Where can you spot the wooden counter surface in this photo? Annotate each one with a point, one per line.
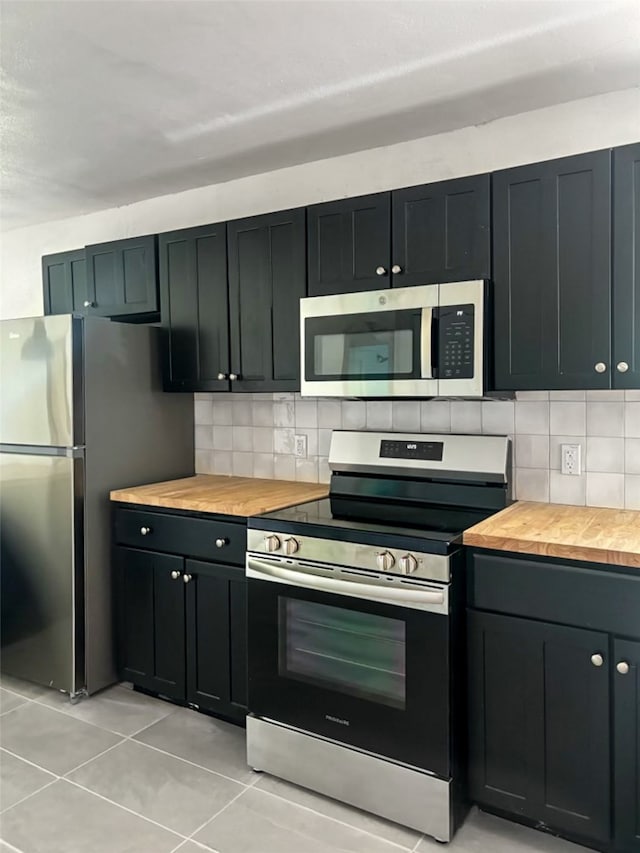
(215, 493)
(555, 530)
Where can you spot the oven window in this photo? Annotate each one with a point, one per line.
(346, 650)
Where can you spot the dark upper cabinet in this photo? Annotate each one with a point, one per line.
(626, 696)
(151, 612)
(122, 278)
(626, 266)
(539, 723)
(349, 244)
(195, 308)
(267, 278)
(552, 274)
(64, 282)
(441, 232)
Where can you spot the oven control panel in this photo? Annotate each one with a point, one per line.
(392, 449)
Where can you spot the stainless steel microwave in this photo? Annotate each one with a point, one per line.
(425, 341)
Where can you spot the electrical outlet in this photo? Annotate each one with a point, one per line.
(570, 459)
(301, 446)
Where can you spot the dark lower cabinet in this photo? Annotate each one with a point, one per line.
(539, 723)
(64, 282)
(626, 266)
(151, 629)
(626, 693)
(122, 279)
(348, 244)
(552, 274)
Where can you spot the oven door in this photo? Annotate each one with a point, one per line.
(372, 674)
(375, 344)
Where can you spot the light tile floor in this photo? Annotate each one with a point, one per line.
(124, 773)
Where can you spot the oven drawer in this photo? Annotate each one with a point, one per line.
(208, 539)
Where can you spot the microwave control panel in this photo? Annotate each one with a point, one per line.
(456, 328)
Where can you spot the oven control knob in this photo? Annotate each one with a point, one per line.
(408, 564)
(385, 561)
(290, 545)
(271, 542)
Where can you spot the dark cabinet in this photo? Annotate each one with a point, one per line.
(441, 232)
(151, 629)
(195, 308)
(626, 266)
(552, 274)
(626, 696)
(122, 279)
(181, 622)
(267, 279)
(64, 282)
(539, 723)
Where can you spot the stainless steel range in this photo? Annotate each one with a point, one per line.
(355, 615)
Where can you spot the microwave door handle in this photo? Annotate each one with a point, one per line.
(426, 331)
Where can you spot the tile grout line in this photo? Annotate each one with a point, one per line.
(32, 763)
(33, 793)
(214, 816)
(193, 763)
(89, 760)
(15, 708)
(417, 844)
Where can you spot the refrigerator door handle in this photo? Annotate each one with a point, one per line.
(19, 449)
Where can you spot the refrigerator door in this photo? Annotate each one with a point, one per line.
(40, 548)
(40, 375)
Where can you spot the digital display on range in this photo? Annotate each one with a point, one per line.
(431, 450)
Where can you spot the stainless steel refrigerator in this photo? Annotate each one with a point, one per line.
(82, 411)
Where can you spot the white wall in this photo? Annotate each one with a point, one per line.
(588, 124)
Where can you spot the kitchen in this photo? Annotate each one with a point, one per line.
(482, 500)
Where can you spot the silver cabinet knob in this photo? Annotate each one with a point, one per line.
(600, 367)
(622, 667)
(291, 545)
(381, 271)
(385, 561)
(186, 578)
(622, 367)
(222, 376)
(175, 575)
(408, 564)
(145, 531)
(220, 543)
(87, 304)
(271, 543)
(233, 376)
(396, 269)
(597, 659)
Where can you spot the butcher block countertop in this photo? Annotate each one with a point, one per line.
(555, 530)
(224, 495)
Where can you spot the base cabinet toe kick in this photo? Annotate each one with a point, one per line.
(397, 792)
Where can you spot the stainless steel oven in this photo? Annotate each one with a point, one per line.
(423, 341)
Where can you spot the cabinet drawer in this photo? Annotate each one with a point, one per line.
(571, 594)
(178, 534)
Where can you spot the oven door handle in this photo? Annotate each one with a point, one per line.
(411, 596)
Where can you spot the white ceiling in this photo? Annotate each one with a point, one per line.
(105, 103)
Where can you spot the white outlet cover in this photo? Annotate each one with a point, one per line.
(301, 446)
(571, 459)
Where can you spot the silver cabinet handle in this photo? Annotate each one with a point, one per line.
(222, 376)
(145, 531)
(597, 659)
(233, 376)
(622, 667)
(220, 543)
(381, 271)
(396, 269)
(175, 575)
(186, 578)
(87, 304)
(600, 367)
(622, 367)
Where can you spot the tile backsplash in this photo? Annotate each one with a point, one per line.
(254, 435)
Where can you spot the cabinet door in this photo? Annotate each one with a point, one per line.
(151, 621)
(552, 281)
(349, 243)
(210, 650)
(441, 232)
(626, 266)
(539, 723)
(267, 279)
(626, 701)
(195, 308)
(122, 277)
(64, 282)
